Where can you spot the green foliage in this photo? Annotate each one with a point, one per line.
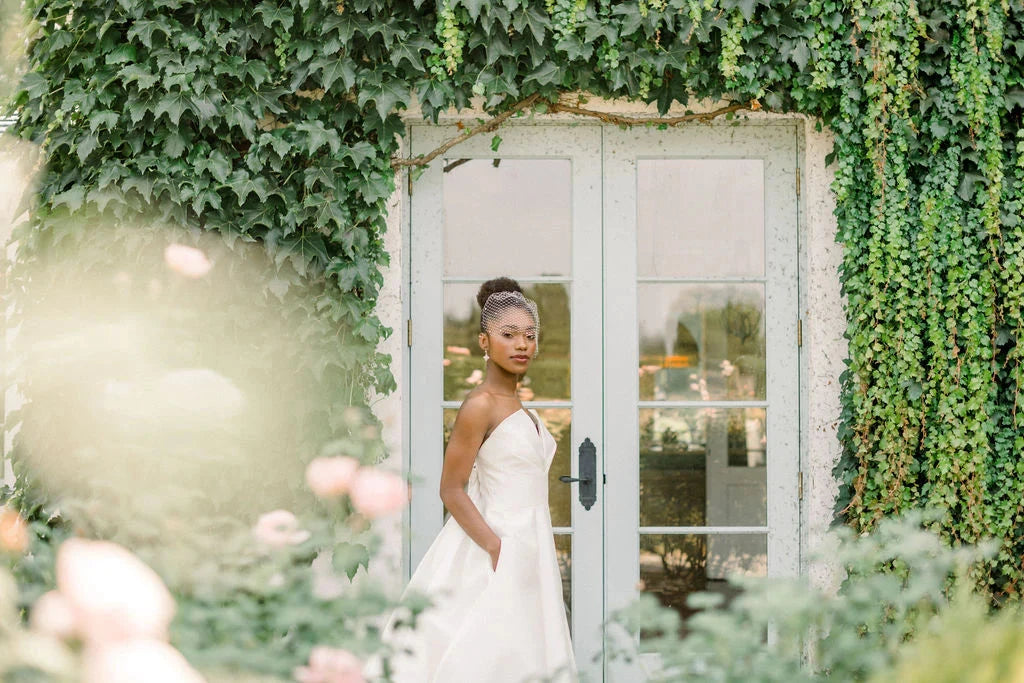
(276, 123)
(897, 589)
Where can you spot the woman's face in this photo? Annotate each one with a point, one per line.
(511, 340)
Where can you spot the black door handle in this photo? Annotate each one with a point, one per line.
(588, 474)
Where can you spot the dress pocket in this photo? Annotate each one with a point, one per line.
(501, 556)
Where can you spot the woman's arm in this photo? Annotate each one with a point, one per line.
(471, 425)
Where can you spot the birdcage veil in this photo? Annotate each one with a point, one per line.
(496, 315)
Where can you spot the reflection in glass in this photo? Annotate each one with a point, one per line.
(548, 376)
(559, 423)
(700, 218)
(701, 342)
(703, 467)
(673, 566)
(503, 215)
(563, 551)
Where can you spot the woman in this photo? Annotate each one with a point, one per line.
(491, 574)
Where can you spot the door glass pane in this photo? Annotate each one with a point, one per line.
(701, 341)
(507, 217)
(563, 551)
(673, 566)
(559, 423)
(703, 467)
(548, 377)
(700, 217)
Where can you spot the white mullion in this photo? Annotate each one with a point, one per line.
(703, 530)
(701, 404)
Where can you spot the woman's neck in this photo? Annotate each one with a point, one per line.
(500, 381)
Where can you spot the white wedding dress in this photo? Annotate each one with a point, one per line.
(503, 625)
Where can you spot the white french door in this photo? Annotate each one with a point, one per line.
(664, 265)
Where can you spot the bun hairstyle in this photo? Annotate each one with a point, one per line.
(498, 284)
(502, 284)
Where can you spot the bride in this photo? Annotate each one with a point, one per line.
(491, 574)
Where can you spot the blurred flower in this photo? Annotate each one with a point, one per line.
(525, 394)
(279, 528)
(137, 660)
(276, 580)
(13, 531)
(457, 350)
(446, 362)
(187, 261)
(475, 377)
(53, 615)
(727, 367)
(331, 477)
(330, 665)
(113, 594)
(378, 492)
(649, 369)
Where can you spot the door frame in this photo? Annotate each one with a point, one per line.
(408, 398)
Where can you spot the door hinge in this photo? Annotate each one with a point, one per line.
(408, 332)
(797, 181)
(408, 180)
(799, 332)
(800, 485)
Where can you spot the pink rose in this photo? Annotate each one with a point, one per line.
(113, 594)
(13, 531)
(137, 660)
(378, 492)
(187, 261)
(279, 528)
(53, 615)
(330, 665)
(331, 477)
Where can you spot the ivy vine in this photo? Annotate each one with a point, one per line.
(279, 123)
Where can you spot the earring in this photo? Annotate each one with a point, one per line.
(486, 357)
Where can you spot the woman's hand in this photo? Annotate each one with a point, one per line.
(494, 556)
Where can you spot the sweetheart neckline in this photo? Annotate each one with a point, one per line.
(505, 419)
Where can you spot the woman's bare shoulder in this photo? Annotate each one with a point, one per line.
(478, 407)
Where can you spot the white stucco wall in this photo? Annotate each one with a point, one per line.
(821, 308)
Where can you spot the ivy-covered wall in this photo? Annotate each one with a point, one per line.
(277, 121)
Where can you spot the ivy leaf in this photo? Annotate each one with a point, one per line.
(536, 21)
(495, 143)
(359, 152)
(273, 14)
(574, 48)
(410, 51)
(244, 184)
(544, 74)
(630, 11)
(72, 198)
(348, 557)
(174, 104)
(219, 165)
(968, 184)
(86, 146)
(106, 119)
(1014, 98)
(800, 54)
(133, 73)
(473, 7)
(318, 136)
(747, 8)
(385, 96)
(121, 54)
(174, 145)
(331, 70)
